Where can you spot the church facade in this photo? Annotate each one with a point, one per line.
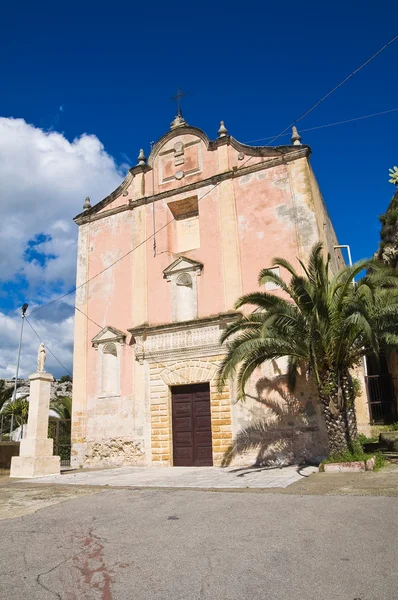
(148, 322)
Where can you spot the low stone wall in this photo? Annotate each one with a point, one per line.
(7, 451)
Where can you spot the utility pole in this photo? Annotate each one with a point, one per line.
(348, 251)
(24, 309)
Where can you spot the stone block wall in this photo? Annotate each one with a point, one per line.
(183, 372)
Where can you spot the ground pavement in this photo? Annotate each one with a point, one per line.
(185, 477)
(324, 537)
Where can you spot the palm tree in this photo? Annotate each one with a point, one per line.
(19, 409)
(62, 405)
(6, 392)
(324, 324)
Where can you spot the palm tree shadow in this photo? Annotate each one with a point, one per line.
(282, 435)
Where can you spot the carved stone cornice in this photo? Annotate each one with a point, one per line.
(182, 264)
(80, 218)
(282, 158)
(188, 339)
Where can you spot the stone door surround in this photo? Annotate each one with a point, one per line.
(165, 375)
(181, 354)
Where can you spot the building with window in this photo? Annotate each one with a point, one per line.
(150, 307)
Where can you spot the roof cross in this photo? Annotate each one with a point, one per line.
(180, 94)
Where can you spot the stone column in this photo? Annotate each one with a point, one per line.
(36, 450)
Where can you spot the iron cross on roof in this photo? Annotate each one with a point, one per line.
(178, 97)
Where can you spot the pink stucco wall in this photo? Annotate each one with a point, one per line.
(210, 295)
(263, 203)
(110, 294)
(260, 202)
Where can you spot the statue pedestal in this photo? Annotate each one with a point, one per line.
(36, 450)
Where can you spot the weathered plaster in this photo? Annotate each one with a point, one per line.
(250, 204)
(79, 401)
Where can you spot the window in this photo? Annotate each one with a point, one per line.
(110, 370)
(185, 235)
(270, 286)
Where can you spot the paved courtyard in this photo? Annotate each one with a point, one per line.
(122, 544)
(185, 477)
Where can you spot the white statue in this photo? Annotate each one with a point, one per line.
(41, 357)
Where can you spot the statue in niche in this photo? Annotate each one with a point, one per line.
(41, 358)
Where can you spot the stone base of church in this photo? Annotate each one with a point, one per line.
(34, 466)
(114, 452)
(110, 452)
(78, 452)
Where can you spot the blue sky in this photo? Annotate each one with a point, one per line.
(108, 70)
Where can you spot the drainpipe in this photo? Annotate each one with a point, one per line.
(348, 251)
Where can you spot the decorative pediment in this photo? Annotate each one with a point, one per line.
(182, 264)
(108, 334)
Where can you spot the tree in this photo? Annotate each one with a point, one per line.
(65, 378)
(324, 325)
(388, 247)
(6, 392)
(62, 405)
(19, 409)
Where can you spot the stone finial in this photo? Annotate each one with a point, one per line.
(296, 137)
(87, 203)
(222, 132)
(178, 121)
(141, 157)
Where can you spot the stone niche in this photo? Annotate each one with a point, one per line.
(182, 274)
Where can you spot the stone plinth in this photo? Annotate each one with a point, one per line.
(36, 450)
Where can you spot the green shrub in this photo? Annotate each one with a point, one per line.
(363, 439)
(380, 461)
(357, 456)
(357, 387)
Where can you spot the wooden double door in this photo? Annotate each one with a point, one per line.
(192, 445)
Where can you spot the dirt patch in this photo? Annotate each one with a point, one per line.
(18, 499)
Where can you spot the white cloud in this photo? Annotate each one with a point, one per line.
(58, 337)
(44, 179)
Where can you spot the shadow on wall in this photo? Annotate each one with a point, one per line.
(287, 432)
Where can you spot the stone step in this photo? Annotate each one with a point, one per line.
(390, 455)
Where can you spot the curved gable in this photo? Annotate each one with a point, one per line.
(165, 142)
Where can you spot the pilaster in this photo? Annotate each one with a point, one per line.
(230, 252)
(79, 402)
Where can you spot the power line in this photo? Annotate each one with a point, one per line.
(384, 112)
(152, 235)
(52, 353)
(101, 327)
(87, 317)
(214, 185)
(334, 89)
